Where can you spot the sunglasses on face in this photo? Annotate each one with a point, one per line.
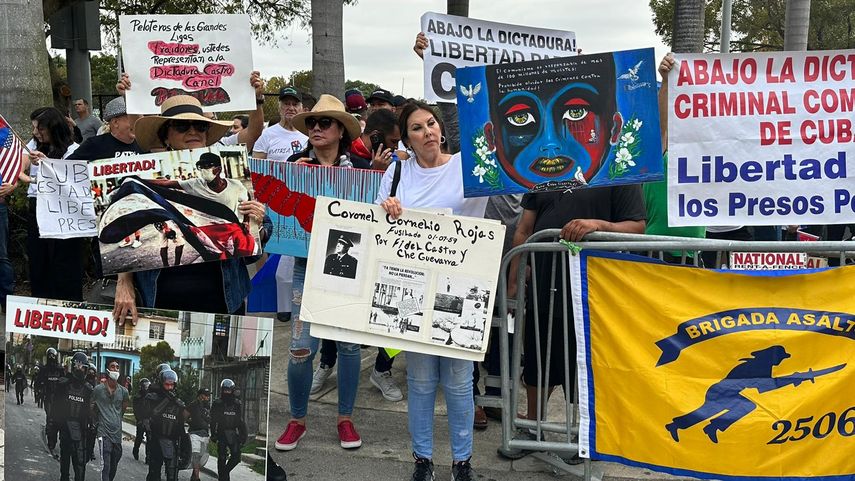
(182, 126)
(324, 122)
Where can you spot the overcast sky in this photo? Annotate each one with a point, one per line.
(379, 35)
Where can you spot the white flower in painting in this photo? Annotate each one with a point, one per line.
(627, 138)
(636, 124)
(479, 172)
(489, 160)
(624, 157)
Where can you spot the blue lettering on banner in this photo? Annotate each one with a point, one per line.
(700, 329)
(715, 169)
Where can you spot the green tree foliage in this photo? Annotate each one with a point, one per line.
(759, 26)
(188, 384)
(104, 76)
(151, 356)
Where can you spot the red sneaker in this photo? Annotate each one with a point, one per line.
(349, 437)
(292, 435)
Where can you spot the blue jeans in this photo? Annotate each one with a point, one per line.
(7, 275)
(302, 352)
(424, 373)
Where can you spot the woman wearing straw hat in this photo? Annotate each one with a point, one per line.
(330, 130)
(214, 287)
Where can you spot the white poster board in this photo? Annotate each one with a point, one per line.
(206, 56)
(456, 42)
(27, 315)
(424, 283)
(761, 139)
(66, 206)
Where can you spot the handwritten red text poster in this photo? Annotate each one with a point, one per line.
(206, 56)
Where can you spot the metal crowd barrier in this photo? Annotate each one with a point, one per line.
(555, 443)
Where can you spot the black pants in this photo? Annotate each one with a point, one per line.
(56, 265)
(158, 459)
(141, 435)
(19, 395)
(228, 455)
(72, 453)
(51, 428)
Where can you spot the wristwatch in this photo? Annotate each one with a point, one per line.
(259, 101)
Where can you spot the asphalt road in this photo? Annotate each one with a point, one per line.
(29, 459)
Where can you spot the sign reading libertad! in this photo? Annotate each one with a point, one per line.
(60, 319)
(762, 139)
(206, 56)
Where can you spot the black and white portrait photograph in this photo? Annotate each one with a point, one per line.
(396, 305)
(342, 256)
(460, 312)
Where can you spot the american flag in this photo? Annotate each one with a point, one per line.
(11, 152)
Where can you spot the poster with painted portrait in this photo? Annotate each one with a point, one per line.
(559, 124)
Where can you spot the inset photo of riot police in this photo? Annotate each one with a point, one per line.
(178, 396)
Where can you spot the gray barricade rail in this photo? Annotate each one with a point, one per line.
(555, 442)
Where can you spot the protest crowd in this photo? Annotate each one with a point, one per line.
(417, 147)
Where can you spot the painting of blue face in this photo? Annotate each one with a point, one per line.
(556, 129)
(559, 123)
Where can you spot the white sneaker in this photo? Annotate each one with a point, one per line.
(387, 385)
(319, 378)
(136, 243)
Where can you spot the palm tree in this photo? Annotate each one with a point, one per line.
(797, 21)
(688, 34)
(24, 75)
(458, 7)
(327, 48)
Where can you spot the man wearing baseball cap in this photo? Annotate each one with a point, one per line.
(282, 140)
(119, 139)
(380, 99)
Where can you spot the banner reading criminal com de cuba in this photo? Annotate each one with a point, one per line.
(762, 139)
(719, 375)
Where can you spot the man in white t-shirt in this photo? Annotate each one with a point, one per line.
(282, 140)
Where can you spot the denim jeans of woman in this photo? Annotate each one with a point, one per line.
(424, 374)
(302, 352)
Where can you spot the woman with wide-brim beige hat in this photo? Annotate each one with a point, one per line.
(331, 130)
(180, 125)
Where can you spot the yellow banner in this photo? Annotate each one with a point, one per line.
(716, 374)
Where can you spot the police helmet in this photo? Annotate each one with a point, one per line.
(145, 383)
(227, 386)
(168, 377)
(79, 364)
(52, 355)
(162, 367)
(18, 367)
(35, 369)
(204, 392)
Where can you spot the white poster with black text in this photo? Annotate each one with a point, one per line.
(425, 282)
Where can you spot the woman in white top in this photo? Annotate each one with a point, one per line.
(433, 179)
(56, 265)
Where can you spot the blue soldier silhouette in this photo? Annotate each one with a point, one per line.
(753, 372)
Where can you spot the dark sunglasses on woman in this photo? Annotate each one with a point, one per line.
(324, 122)
(182, 126)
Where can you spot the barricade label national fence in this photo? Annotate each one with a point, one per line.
(716, 374)
(762, 139)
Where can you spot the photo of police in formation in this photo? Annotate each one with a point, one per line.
(77, 413)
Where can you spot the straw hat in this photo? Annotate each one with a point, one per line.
(329, 106)
(179, 107)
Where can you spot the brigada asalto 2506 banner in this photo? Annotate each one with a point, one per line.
(719, 375)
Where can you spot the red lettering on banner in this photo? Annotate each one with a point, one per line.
(53, 321)
(712, 72)
(827, 131)
(829, 68)
(785, 74)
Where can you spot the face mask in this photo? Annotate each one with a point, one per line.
(207, 174)
(113, 375)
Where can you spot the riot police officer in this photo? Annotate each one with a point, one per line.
(36, 385)
(72, 400)
(92, 379)
(139, 415)
(228, 429)
(166, 413)
(49, 377)
(20, 384)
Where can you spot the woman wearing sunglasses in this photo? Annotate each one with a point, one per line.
(330, 130)
(213, 287)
